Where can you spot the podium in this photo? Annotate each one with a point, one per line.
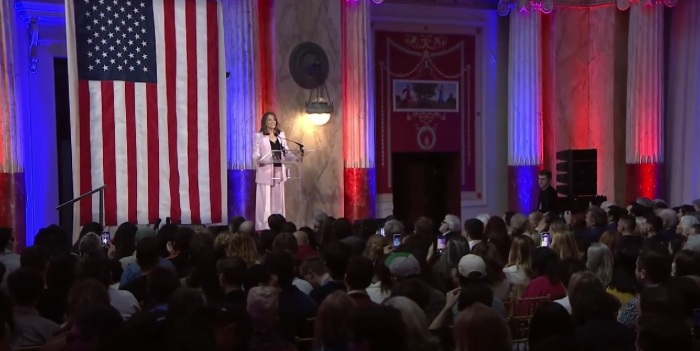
(291, 161)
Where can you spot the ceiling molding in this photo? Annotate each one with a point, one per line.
(46, 13)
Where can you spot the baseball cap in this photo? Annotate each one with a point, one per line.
(145, 232)
(402, 264)
(471, 266)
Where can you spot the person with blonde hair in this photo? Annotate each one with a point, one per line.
(418, 337)
(243, 246)
(222, 240)
(600, 261)
(519, 225)
(480, 328)
(564, 244)
(375, 247)
(517, 269)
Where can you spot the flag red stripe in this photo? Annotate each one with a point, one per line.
(192, 130)
(214, 116)
(171, 90)
(108, 152)
(153, 151)
(131, 170)
(84, 149)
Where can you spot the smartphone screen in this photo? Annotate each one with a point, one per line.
(441, 241)
(545, 240)
(397, 240)
(106, 240)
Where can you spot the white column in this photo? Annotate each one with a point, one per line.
(645, 83)
(358, 110)
(243, 95)
(358, 98)
(525, 89)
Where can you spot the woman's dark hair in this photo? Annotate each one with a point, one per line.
(263, 124)
(205, 276)
(494, 267)
(383, 274)
(656, 262)
(381, 327)
(496, 232)
(596, 304)
(545, 261)
(507, 216)
(550, 320)
(415, 290)
(165, 235)
(125, 239)
(102, 323)
(256, 275)
(676, 244)
(687, 262)
(235, 224)
(54, 238)
(676, 299)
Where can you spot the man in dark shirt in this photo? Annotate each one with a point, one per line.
(232, 272)
(336, 257)
(358, 278)
(548, 195)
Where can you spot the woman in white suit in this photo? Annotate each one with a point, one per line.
(269, 149)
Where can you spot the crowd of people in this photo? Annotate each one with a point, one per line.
(609, 278)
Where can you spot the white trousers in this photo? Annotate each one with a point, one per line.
(269, 199)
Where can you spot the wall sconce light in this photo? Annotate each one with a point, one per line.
(318, 108)
(308, 65)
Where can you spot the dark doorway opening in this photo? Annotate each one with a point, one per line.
(63, 143)
(425, 184)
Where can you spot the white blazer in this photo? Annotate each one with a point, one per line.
(262, 155)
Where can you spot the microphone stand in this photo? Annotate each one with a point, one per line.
(301, 146)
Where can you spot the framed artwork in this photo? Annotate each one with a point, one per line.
(425, 95)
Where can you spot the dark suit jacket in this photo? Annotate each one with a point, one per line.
(547, 200)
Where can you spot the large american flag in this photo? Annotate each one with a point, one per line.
(148, 109)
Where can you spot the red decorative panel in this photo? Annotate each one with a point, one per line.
(426, 100)
(359, 193)
(12, 205)
(645, 180)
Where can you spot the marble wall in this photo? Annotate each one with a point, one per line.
(583, 53)
(298, 21)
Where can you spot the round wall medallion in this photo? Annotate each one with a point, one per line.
(308, 65)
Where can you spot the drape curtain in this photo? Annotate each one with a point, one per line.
(10, 148)
(683, 104)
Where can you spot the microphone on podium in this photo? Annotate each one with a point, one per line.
(301, 146)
